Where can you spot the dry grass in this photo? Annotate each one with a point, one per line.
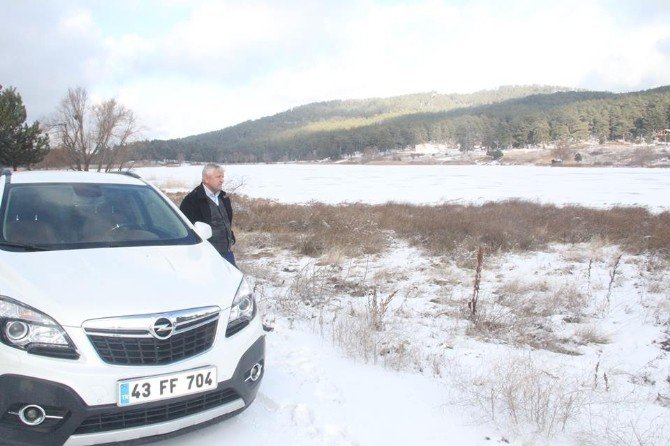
(356, 229)
(518, 287)
(517, 225)
(517, 394)
(590, 334)
(315, 229)
(522, 313)
(538, 299)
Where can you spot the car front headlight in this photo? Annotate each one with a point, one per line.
(27, 329)
(243, 309)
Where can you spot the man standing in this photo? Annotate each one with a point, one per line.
(209, 204)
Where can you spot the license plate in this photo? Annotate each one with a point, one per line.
(153, 388)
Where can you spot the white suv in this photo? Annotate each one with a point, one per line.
(118, 322)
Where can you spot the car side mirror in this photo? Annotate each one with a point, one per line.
(203, 230)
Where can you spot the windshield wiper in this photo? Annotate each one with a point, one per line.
(24, 246)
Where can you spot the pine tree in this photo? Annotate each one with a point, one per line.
(20, 144)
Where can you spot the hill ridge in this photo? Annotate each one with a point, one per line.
(509, 116)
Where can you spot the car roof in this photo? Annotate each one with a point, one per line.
(71, 176)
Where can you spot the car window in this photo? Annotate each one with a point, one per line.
(68, 216)
(158, 214)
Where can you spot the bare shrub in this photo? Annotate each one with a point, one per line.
(566, 300)
(562, 152)
(472, 304)
(519, 395)
(518, 287)
(494, 322)
(656, 286)
(624, 428)
(353, 334)
(308, 288)
(612, 274)
(539, 299)
(399, 354)
(333, 256)
(309, 285)
(590, 334)
(643, 156)
(377, 307)
(255, 245)
(523, 314)
(662, 314)
(389, 276)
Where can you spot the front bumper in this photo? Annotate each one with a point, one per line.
(76, 423)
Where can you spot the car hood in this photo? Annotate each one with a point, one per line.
(73, 286)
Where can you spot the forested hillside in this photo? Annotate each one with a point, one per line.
(493, 119)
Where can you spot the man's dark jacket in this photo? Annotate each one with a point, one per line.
(196, 207)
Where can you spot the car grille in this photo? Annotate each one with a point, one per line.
(148, 351)
(126, 418)
(134, 346)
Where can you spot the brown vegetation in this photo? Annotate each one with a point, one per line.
(316, 228)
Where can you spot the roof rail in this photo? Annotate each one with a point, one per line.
(7, 173)
(128, 173)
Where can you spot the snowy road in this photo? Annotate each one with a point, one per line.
(311, 395)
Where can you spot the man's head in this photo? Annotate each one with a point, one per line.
(212, 177)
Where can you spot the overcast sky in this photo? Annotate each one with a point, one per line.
(187, 67)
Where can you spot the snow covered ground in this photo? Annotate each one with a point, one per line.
(570, 346)
(312, 395)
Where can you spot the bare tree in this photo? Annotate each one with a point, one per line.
(93, 133)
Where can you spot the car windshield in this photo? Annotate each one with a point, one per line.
(78, 215)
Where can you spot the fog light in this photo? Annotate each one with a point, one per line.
(32, 415)
(255, 372)
(16, 330)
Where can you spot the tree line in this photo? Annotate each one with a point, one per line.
(80, 134)
(491, 120)
(83, 135)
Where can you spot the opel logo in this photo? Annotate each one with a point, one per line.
(162, 328)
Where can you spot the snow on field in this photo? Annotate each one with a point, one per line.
(570, 346)
(557, 356)
(300, 183)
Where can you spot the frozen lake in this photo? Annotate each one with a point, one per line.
(301, 183)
